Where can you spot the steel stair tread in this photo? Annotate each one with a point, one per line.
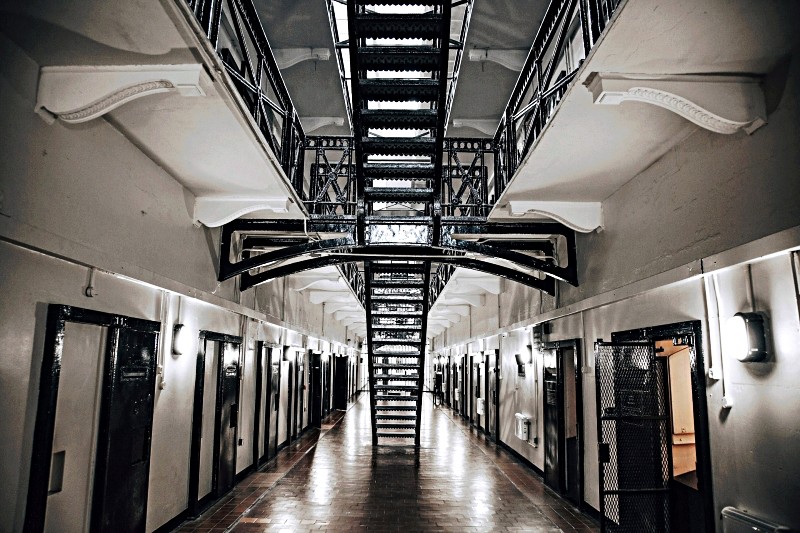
(389, 366)
(399, 119)
(397, 387)
(394, 398)
(386, 435)
(396, 377)
(411, 283)
(385, 425)
(394, 26)
(399, 58)
(398, 193)
(398, 170)
(397, 146)
(399, 90)
(401, 408)
(401, 2)
(395, 417)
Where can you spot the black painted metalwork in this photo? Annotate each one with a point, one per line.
(197, 505)
(634, 435)
(465, 184)
(332, 188)
(396, 195)
(236, 33)
(551, 66)
(122, 461)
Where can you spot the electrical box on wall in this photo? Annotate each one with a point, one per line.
(522, 427)
(479, 406)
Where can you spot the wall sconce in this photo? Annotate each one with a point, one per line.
(745, 338)
(178, 339)
(523, 360)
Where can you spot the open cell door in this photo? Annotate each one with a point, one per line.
(633, 430)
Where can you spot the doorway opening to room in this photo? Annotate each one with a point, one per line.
(265, 435)
(563, 419)
(91, 446)
(212, 460)
(655, 468)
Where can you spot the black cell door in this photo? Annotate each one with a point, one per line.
(340, 383)
(118, 500)
(553, 421)
(315, 395)
(273, 399)
(227, 416)
(633, 432)
(126, 422)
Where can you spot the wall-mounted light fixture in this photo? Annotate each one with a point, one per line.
(522, 360)
(178, 339)
(744, 337)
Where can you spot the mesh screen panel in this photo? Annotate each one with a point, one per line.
(634, 430)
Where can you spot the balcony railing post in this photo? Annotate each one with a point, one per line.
(584, 13)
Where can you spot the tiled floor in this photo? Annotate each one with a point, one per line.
(334, 480)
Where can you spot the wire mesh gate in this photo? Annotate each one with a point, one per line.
(634, 435)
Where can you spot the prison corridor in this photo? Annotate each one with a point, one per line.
(333, 479)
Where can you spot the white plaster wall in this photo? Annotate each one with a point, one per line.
(174, 404)
(517, 395)
(88, 185)
(86, 193)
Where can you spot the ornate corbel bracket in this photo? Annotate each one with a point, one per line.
(288, 57)
(510, 58)
(719, 103)
(81, 93)
(214, 211)
(583, 217)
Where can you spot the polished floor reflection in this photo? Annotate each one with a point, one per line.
(456, 481)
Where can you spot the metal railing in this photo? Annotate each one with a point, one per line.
(236, 33)
(568, 32)
(459, 50)
(438, 281)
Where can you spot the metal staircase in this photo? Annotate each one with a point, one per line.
(396, 196)
(398, 52)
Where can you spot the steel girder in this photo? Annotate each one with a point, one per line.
(414, 253)
(451, 250)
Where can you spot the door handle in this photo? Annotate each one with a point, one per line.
(604, 452)
(234, 415)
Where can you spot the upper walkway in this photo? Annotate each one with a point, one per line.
(335, 480)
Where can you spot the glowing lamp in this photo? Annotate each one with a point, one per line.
(744, 337)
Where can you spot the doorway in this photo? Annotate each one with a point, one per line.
(563, 419)
(212, 469)
(340, 383)
(656, 371)
(265, 405)
(91, 449)
(492, 406)
(315, 384)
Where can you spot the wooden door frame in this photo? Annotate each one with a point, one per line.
(693, 328)
(195, 506)
(44, 427)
